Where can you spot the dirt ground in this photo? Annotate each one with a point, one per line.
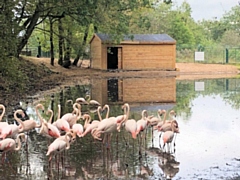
(184, 70)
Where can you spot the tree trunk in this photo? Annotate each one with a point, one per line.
(51, 41)
(67, 53)
(75, 62)
(29, 28)
(60, 42)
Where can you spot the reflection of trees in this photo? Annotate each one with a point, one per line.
(228, 89)
(185, 94)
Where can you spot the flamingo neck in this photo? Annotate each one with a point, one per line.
(106, 107)
(144, 115)
(87, 121)
(38, 114)
(50, 119)
(67, 141)
(19, 144)
(19, 120)
(98, 112)
(59, 111)
(78, 108)
(87, 97)
(164, 118)
(159, 114)
(3, 111)
(127, 112)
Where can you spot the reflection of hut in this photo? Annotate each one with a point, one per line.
(141, 52)
(135, 90)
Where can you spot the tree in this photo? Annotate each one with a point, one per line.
(230, 38)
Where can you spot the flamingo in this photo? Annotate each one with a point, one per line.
(47, 129)
(142, 123)
(172, 115)
(30, 124)
(78, 129)
(106, 126)
(61, 124)
(12, 130)
(120, 118)
(58, 145)
(9, 144)
(169, 135)
(87, 100)
(153, 121)
(2, 124)
(130, 124)
(72, 118)
(89, 127)
(166, 125)
(88, 119)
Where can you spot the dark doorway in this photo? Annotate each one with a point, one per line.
(112, 87)
(112, 58)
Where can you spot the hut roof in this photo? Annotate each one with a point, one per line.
(139, 39)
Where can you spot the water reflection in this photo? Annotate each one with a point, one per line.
(208, 116)
(134, 90)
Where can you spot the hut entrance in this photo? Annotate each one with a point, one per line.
(112, 89)
(112, 58)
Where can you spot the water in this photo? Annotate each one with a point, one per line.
(206, 148)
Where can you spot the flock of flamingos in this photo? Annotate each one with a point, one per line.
(64, 131)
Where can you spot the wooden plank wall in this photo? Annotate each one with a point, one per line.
(161, 90)
(148, 57)
(137, 90)
(96, 53)
(99, 90)
(104, 57)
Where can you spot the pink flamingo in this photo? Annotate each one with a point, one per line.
(119, 118)
(87, 100)
(12, 130)
(142, 123)
(61, 124)
(106, 126)
(2, 124)
(58, 145)
(89, 127)
(130, 124)
(9, 144)
(154, 121)
(47, 129)
(78, 129)
(166, 125)
(72, 118)
(169, 135)
(30, 124)
(164, 121)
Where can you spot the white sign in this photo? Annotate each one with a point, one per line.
(199, 56)
(199, 86)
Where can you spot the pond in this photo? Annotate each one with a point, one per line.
(207, 147)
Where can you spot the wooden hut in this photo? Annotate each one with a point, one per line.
(141, 52)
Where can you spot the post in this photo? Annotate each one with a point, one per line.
(226, 55)
(39, 48)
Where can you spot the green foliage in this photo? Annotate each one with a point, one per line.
(10, 74)
(230, 39)
(181, 32)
